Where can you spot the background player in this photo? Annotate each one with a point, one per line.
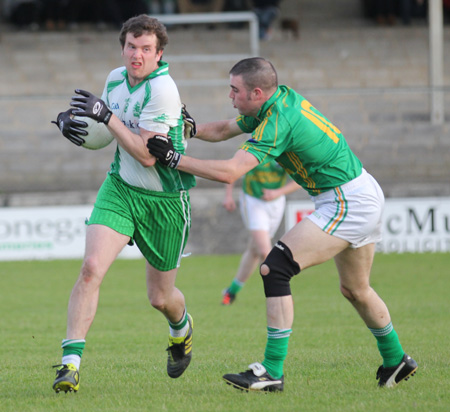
(345, 225)
(262, 202)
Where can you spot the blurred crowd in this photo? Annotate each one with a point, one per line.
(69, 14)
(103, 14)
(391, 12)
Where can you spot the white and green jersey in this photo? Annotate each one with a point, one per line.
(153, 105)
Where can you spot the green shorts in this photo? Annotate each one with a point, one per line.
(158, 222)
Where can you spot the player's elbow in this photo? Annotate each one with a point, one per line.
(148, 161)
(227, 180)
(229, 177)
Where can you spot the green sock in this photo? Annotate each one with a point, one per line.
(235, 287)
(181, 324)
(73, 347)
(389, 345)
(276, 351)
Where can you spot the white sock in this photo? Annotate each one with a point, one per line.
(73, 359)
(180, 333)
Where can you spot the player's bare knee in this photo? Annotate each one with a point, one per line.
(363, 295)
(160, 306)
(355, 295)
(277, 270)
(90, 270)
(347, 294)
(264, 270)
(157, 302)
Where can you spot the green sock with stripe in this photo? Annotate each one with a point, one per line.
(235, 287)
(276, 351)
(73, 347)
(389, 345)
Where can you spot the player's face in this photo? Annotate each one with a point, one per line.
(140, 56)
(243, 99)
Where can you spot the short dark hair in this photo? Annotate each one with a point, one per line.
(256, 72)
(144, 24)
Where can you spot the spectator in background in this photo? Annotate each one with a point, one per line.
(267, 12)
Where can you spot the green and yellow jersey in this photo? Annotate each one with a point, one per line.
(306, 144)
(269, 175)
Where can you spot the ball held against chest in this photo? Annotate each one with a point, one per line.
(98, 134)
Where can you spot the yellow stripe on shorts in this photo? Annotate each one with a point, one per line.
(341, 212)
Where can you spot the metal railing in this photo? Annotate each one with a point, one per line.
(214, 18)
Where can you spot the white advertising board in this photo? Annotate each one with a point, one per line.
(409, 224)
(47, 233)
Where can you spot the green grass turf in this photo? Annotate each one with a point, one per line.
(332, 357)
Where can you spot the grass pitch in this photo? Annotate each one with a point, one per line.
(332, 357)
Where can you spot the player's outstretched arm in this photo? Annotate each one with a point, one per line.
(225, 171)
(211, 132)
(218, 131)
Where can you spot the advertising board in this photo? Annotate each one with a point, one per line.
(46, 233)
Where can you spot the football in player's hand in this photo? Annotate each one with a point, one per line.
(98, 134)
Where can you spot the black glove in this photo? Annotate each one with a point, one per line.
(71, 128)
(87, 105)
(162, 148)
(190, 128)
